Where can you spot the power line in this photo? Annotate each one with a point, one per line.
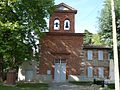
(91, 12)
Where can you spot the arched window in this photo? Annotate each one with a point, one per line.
(66, 25)
(56, 24)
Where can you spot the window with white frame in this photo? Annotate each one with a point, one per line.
(100, 55)
(89, 55)
(67, 25)
(56, 24)
(101, 72)
(90, 71)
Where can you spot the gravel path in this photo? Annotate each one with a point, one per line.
(69, 86)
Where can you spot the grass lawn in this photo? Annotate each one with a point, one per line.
(84, 83)
(110, 87)
(89, 83)
(105, 89)
(26, 86)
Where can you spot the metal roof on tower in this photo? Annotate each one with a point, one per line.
(62, 7)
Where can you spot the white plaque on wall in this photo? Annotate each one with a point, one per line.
(48, 72)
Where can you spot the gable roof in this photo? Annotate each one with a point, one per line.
(62, 7)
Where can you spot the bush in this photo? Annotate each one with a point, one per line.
(99, 82)
(111, 86)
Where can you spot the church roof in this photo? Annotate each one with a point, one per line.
(62, 7)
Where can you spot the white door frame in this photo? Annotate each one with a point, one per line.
(60, 71)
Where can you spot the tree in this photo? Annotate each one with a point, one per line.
(1, 70)
(88, 37)
(21, 22)
(91, 38)
(96, 39)
(105, 24)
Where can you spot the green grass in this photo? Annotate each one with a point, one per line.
(110, 87)
(26, 86)
(84, 83)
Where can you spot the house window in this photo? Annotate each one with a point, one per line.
(56, 24)
(100, 55)
(90, 71)
(89, 54)
(110, 55)
(66, 25)
(101, 72)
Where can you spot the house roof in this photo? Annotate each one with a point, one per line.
(96, 47)
(62, 7)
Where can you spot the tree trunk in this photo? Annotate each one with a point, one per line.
(1, 68)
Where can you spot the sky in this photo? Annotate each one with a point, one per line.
(87, 15)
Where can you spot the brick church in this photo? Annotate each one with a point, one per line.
(64, 57)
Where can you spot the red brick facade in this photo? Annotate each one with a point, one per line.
(67, 46)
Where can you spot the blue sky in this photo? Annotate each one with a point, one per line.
(87, 13)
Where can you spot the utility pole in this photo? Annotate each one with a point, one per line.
(115, 50)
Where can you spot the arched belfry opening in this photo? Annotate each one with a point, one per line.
(67, 24)
(56, 24)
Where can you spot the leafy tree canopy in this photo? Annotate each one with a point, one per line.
(96, 40)
(21, 22)
(105, 22)
(87, 37)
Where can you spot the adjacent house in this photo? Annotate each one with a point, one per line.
(96, 61)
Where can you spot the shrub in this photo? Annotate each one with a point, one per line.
(111, 86)
(99, 82)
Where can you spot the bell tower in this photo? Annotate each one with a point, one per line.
(63, 19)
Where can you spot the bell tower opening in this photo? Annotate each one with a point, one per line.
(66, 25)
(56, 24)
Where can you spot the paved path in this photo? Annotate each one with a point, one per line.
(68, 86)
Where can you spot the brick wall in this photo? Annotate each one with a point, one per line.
(66, 46)
(62, 17)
